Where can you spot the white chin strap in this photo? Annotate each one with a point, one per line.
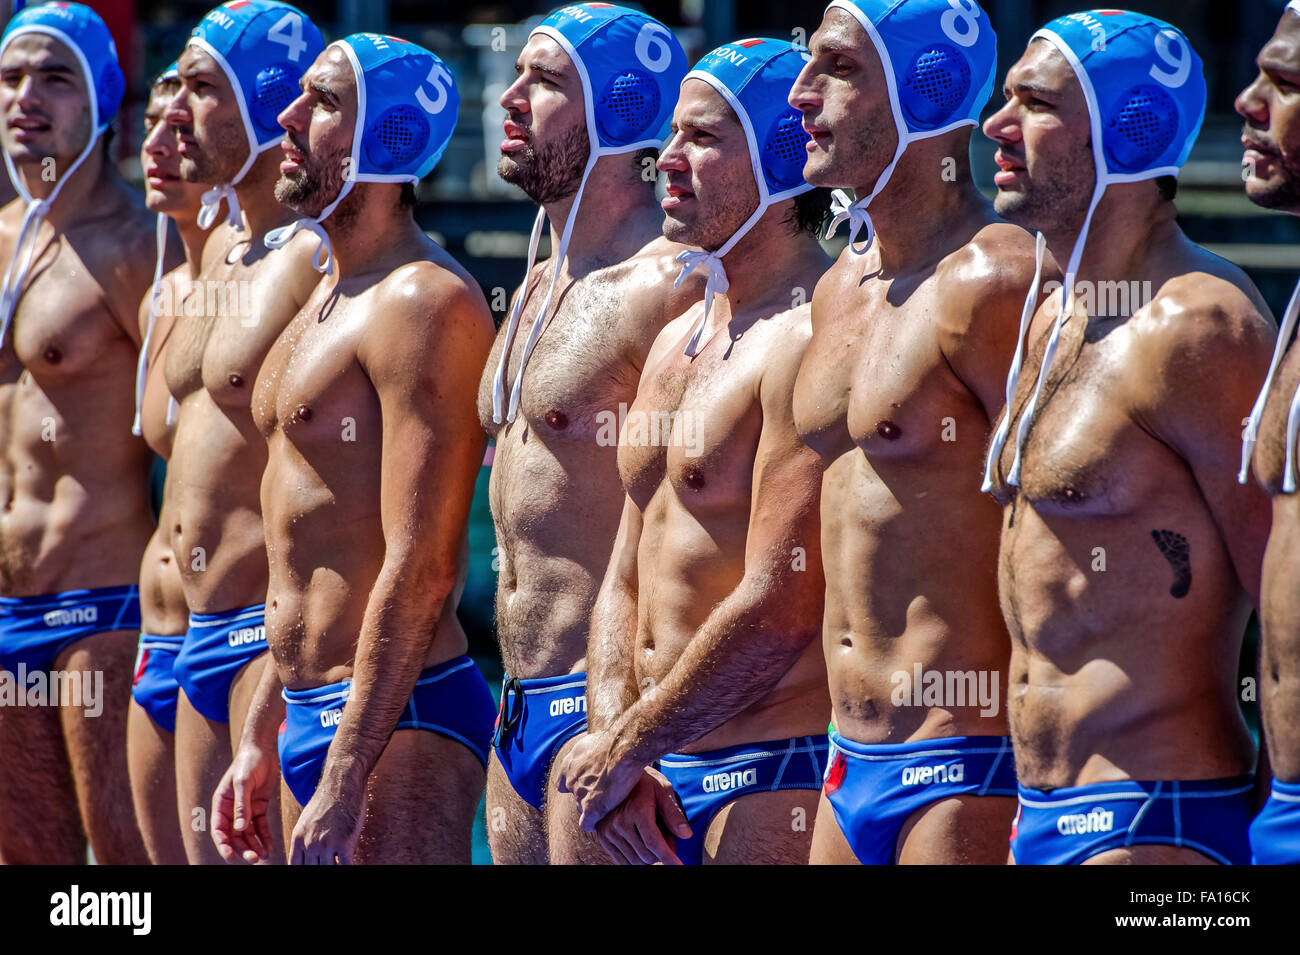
(1013, 377)
(210, 201)
(142, 363)
(323, 259)
(498, 387)
(1293, 415)
(717, 281)
(20, 262)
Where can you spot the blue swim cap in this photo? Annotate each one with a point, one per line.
(755, 78)
(407, 106)
(631, 66)
(263, 47)
(1144, 85)
(1145, 91)
(940, 61)
(81, 30)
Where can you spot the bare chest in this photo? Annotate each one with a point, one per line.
(226, 322)
(874, 378)
(1085, 453)
(696, 426)
(311, 386)
(582, 368)
(62, 326)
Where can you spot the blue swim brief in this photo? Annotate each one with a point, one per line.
(35, 630)
(874, 788)
(1071, 825)
(537, 717)
(1275, 833)
(155, 686)
(706, 782)
(216, 648)
(451, 699)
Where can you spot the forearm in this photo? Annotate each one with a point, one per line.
(396, 633)
(736, 658)
(611, 682)
(265, 711)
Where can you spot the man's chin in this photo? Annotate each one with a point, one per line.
(1013, 206)
(1278, 195)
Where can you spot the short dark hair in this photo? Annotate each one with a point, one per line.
(810, 212)
(407, 199)
(1168, 186)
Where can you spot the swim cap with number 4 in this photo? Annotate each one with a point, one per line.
(1144, 86)
(264, 47)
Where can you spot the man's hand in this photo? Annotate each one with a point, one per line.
(631, 833)
(596, 777)
(239, 826)
(329, 826)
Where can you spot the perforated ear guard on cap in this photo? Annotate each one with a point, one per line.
(630, 65)
(939, 59)
(82, 31)
(407, 107)
(1145, 91)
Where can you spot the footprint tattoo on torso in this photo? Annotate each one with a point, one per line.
(1174, 547)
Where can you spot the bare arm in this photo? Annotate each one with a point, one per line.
(978, 335)
(611, 684)
(1229, 345)
(423, 359)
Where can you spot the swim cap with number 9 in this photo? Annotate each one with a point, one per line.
(1144, 85)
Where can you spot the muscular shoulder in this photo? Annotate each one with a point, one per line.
(648, 279)
(985, 281)
(290, 269)
(426, 307)
(1203, 322)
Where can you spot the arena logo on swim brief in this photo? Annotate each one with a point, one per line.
(331, 717)
(246, 635)
(76, 908)
(1082, 823)
(947, 688)
(70, 616)
(724, 782)
(81, 688)
(568, 704)
(929, 775)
